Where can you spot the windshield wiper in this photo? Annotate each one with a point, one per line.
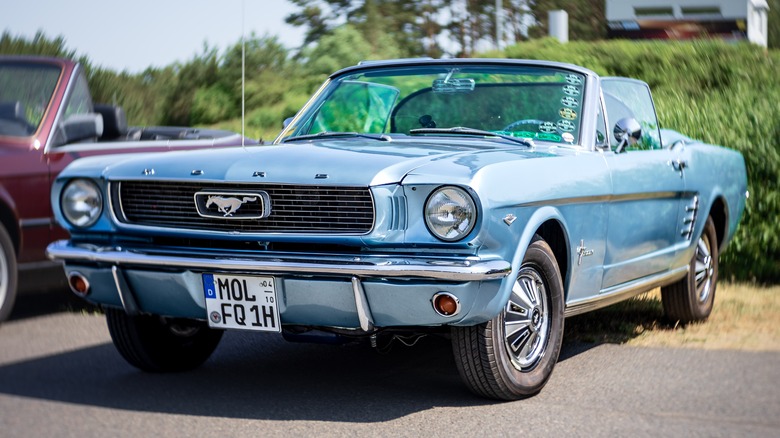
(462, 130)
(329, 134)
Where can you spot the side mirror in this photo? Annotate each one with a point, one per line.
(627, 132)
(79, 127)
(286, 122)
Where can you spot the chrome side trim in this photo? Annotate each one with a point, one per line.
(361, 302)
(36, 222)
(603, 199)
(376, 266)
(123, 290)
(622, 292)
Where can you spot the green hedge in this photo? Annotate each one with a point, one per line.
(718, 92)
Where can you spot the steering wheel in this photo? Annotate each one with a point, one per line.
(511, 126)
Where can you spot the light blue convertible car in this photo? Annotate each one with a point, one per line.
(483, 200)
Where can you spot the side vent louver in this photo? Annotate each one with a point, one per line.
(691, 210)
(398, 214)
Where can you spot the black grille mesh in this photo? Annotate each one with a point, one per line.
(294, 208)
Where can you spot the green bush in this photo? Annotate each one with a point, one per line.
(722, 93)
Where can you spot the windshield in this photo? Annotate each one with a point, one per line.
(25, 92)
(531, 102)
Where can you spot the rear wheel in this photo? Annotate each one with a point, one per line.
(691, 298)
(512, 356)
(8, 274)
(157, 344)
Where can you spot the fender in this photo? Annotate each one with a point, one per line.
(495, 303)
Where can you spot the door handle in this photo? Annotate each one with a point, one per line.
(679, 164)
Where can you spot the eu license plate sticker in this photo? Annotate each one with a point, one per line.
(241, 302)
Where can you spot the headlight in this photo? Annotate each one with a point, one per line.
(450, 213)
(81, 203)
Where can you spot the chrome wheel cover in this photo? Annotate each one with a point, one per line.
(703, 269)
(527, 320)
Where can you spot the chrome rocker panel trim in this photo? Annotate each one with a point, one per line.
(616, 294)
(465, 269)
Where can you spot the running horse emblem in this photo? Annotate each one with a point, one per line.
(228, 206)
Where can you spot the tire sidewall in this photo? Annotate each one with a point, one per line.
(148, 343)
(8, 269)
(540, 257)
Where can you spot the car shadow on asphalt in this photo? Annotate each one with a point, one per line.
(254, 376)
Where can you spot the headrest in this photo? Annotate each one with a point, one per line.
(114, 120)
(12, 111)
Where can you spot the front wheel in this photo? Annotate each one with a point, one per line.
(157, 344)
(692, 297)
(8, 274)
(512, 356)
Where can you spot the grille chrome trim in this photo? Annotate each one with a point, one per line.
(295, 209)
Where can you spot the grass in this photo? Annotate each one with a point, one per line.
(745, 317)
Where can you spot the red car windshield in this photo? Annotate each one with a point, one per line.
(25, 93)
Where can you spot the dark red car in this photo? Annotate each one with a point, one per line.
(47, 120)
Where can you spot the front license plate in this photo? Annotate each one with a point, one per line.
(241, 302)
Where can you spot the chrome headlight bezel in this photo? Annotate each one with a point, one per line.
(81, 203)
(450, 213)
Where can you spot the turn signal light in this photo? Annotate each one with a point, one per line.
(78, 284)
(446, 304)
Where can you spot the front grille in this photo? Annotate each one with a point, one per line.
(294, 208)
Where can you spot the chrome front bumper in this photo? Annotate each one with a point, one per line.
(373, 266)
(364, 287)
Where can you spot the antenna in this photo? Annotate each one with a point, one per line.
(243, 70)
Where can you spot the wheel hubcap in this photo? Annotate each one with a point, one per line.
(704, 269)
(526, 320)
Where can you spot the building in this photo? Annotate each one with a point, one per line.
(686, 19)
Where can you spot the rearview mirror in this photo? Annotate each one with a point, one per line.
(453, 85)
(627, 132)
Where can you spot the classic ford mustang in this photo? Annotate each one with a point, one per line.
(484, 200)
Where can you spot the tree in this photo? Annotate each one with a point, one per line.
(200, 72)
(773, 24)
(39, 45)
(417, 27)
(379, 21)
(343, 47)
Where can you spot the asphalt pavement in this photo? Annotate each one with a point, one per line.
(61, 376)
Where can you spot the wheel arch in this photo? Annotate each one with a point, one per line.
(9, 221)
(549, 224)
(720, 216)
(552, 231)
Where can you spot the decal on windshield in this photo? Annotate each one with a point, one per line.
(524, 134)
(549, 137)
(570, 102)
(547, 127)
(571, 90)
(573, 79)
(565, 125)
(567, 137)
(568, 113)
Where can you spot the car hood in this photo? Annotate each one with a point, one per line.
(343, 162)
